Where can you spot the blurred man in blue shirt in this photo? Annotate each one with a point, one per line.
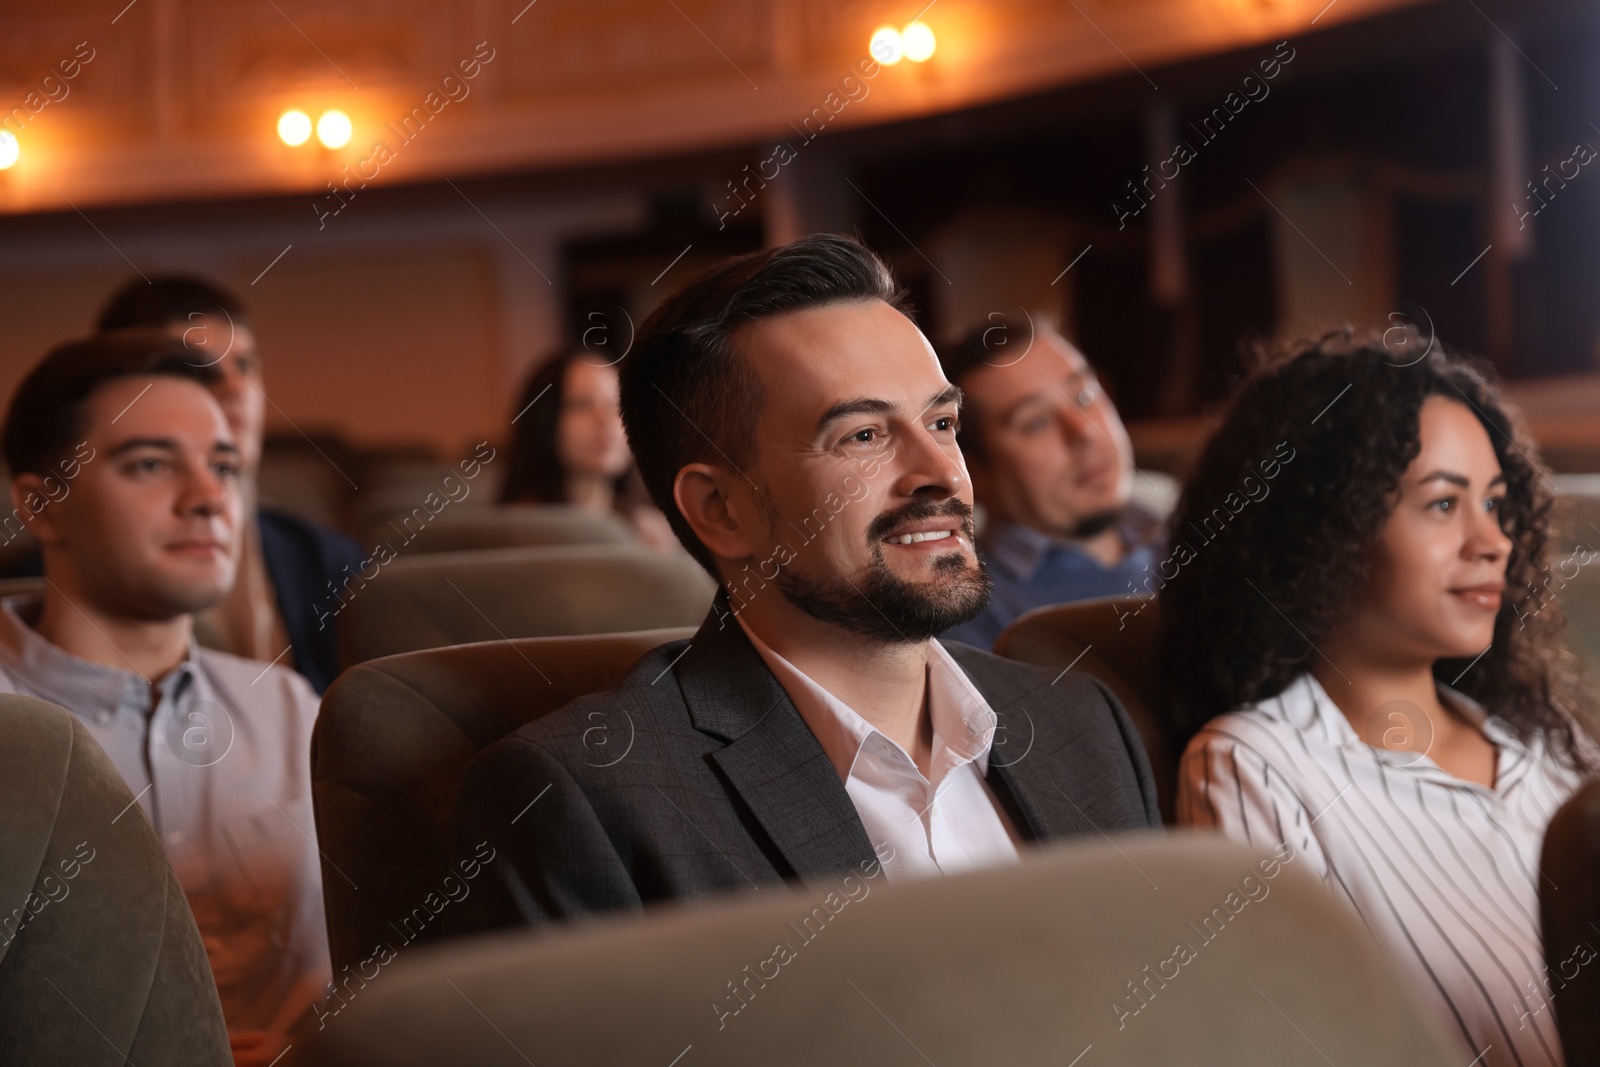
(1052, 466)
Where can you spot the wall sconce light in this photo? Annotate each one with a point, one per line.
(10, 151)
(294, 128)
(918, 41)
(889, 45)
(334, 129)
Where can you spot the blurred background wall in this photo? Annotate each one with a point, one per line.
(1361, 161)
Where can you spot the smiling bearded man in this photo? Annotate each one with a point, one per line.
(813, 726)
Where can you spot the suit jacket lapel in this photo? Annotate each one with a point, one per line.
(772, 759)
(1025, 758)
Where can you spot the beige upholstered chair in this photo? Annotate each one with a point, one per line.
(521, 525)
(450, 598)
(1117, 640)
(1579, 598)
(1070, 957)
(391, 745)
(1575, 518)
(100, 960)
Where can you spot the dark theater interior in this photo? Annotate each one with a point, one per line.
(788, 532)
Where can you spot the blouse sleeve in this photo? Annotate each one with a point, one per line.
(1227, 785)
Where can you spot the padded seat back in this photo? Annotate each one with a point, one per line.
(1117, 640)
(515, 525)
(1575, 517)
(451, 598)
(1068, 957)
(100, 959)
(390, 748)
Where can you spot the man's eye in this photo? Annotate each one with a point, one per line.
(226, 470)
(947, 423)
(863, 436)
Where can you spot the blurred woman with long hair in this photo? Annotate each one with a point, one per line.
(568, 447)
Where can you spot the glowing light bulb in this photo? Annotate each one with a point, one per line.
(294, 128)
(886, 46)
(9, 149)
(334, 129)
(917, 41)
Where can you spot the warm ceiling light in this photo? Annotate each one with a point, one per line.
(294, 128)
(334, 129)
(886, 46)
(9, 149)
(917, 41)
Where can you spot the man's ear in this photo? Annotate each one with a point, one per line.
(31, 504)
(719, 506)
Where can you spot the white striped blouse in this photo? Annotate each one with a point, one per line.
(1443, 872)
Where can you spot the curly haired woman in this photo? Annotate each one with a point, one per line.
(1364, 669)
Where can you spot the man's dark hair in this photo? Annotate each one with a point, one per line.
(166, 299)
(688, 396)
(46, 415)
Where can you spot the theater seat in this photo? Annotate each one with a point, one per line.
(390, 747)
(1575, 584)
(1575, 515)
(468, 528)
(1057, 960)
(1117, 640)
(451, 598)
(107, 965)
(1569, 913)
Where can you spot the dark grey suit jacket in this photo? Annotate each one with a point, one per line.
(697, 775)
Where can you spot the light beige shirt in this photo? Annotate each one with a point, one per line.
(219, 761)
(941, 823)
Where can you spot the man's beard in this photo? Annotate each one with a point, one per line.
(1092, 525)
(885, 608)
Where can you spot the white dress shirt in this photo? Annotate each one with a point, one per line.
(941, 823)
(1444, 872)
(219, 762)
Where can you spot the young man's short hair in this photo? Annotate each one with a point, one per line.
(688, 397)
(46, 417)
(166, 299)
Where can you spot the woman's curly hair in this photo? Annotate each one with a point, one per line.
(1264, 574)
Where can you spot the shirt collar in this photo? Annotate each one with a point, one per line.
(1306, 705)
(49, 671)
(1019, 549)
(963, 722)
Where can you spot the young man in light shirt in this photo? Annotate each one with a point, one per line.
(794, 426)
(125, 470)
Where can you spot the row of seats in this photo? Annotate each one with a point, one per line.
(396, 735)
(1074, 951)
(1074, 941)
